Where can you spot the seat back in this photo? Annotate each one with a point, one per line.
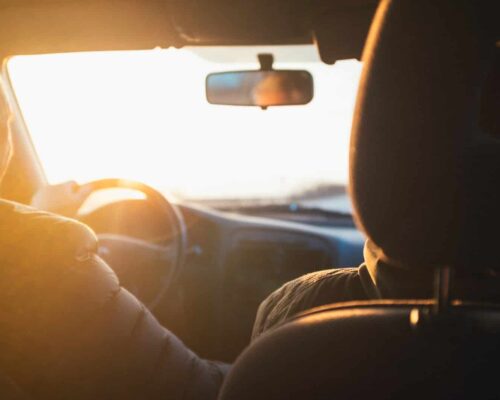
(374, 350)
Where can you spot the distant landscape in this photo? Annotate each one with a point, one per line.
(327, 196)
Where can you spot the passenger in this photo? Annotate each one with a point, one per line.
(374, 279)
(378, 277)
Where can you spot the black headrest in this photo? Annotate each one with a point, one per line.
(424, 175)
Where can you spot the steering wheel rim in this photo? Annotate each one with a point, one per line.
(174, 216)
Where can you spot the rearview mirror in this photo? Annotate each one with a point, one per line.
(260, 88)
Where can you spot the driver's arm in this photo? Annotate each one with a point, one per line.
(69, 330)
(122, 253)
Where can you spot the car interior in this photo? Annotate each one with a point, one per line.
(422, 174)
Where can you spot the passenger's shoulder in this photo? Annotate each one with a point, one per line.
(318, 288)
(323, 276)
(308, 291)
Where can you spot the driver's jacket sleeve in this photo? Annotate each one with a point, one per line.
(69, 331)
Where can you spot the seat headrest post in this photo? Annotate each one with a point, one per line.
(442, 289)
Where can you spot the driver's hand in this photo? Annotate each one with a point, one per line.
(65, 198)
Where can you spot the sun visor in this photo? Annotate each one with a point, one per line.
(339, 27)
(228, 22)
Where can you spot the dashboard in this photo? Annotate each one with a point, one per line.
(234, 262)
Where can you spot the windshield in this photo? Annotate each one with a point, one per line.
(143, 115)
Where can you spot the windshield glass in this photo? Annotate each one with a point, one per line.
(143, 115)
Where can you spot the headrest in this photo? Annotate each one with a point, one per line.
(424, 175)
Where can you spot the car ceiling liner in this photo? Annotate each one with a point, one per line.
(338, 27)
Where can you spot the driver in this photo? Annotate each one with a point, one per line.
(67, 328)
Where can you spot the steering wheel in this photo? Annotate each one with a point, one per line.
(173, 253)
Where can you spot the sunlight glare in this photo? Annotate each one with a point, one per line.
(142, 115)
